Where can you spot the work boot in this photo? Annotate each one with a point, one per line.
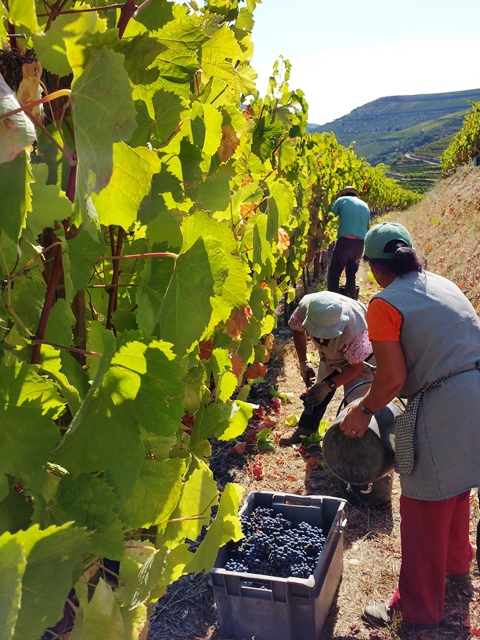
(378, 615)
(294, 436)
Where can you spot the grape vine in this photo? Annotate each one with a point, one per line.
(465, 145)
(155, 209)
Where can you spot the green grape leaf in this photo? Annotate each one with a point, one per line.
(232, 281)
(28, 441)
(102, 342)
(280, 206)
(15, 179)
(195, 385)
(214, 193)
(262, 246)
(225, 381)
(12, 568)
(213, 129)
(178, 63)
(217, 56)
(99, 618)
(3, 21)
(91, 503)
(135, 620)
(186, 308)
(235, 419)
(163, 223)
(67, 373)
(104, 84)
(140, 53)
(200, 493)
(286, 154)
(16, 512)
(83, 252)
(137, 389)
(156, 14)
(154, 494)
(151, 575)
(27, 299)
(43, 194)
(60, 323)
(22, 12)
(227, 385)
(266, 136)
(119, 201)
(246, 78)
(50, 46)
(156, 275)
(225, 527)
(225, 422)
(53, 556)
(122, 478)
(4, 487)
(23, 387)
(29, 435)
(168, 108)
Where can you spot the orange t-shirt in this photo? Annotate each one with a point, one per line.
(384, 321)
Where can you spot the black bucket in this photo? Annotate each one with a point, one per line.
(360, 461)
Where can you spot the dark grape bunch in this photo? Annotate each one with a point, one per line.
(273, 546)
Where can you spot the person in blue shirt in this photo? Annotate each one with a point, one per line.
(354, 221)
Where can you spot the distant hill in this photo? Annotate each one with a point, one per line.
(408, 133)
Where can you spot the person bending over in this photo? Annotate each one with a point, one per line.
(337, 325)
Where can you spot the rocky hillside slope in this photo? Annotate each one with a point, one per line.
(445, 227)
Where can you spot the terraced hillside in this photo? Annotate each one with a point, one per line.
(407, 133)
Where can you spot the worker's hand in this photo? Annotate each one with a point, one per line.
(307, 371)
(317, 394)
(355, 423)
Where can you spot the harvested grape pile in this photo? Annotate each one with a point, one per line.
(273, 546)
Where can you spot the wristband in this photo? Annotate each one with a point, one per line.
(365, 410)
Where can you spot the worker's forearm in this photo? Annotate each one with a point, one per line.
(382, 391)
(389, 376)
(300, 343)
(348, 373)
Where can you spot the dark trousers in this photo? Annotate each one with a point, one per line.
(310, 418)
(346, 255)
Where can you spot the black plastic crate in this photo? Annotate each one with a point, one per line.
(270, 608)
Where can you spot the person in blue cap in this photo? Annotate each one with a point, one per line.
(425, 335)
(353, 223)
(337, 326)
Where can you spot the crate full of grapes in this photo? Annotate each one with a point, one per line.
(280, 579)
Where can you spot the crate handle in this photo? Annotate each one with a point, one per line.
(282, 498)
(264, 590)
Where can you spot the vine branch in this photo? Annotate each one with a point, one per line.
(113, 293)
(137, 256)
(30, 105)
(57, 271)
(67, 348)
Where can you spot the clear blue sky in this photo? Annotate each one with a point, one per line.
(345, 53)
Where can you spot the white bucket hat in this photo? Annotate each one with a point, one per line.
(326, 317)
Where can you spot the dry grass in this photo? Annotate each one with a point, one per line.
(445, 228)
